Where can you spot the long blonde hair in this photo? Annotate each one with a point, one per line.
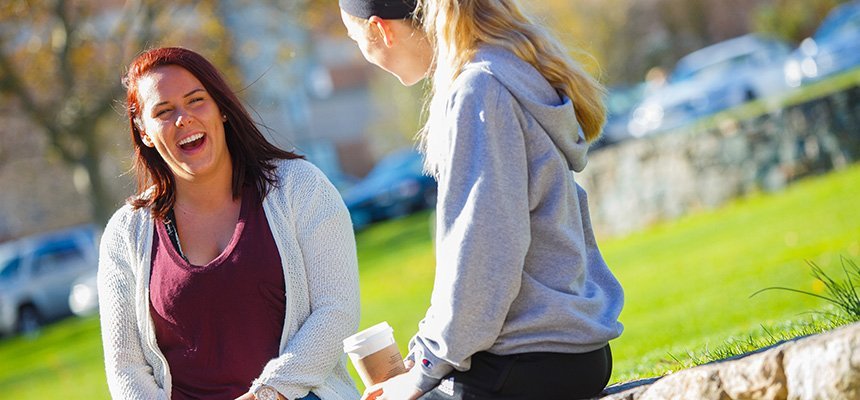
(456, 28)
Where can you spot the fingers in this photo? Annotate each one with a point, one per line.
(373, 392)
(409, 364)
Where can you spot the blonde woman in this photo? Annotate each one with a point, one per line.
(523, 305)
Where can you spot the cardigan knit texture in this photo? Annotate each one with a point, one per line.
(316, 245)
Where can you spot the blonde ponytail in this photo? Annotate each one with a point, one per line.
(457, 27)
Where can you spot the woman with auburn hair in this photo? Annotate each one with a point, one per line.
(523, 304)
(232, 272)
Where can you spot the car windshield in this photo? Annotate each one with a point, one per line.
(622, 99)
(397, 164)
(839, 23)
(9, 266)
(719, 68)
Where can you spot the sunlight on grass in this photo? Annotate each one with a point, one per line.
(687, 287)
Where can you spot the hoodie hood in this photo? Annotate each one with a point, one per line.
(553, 111)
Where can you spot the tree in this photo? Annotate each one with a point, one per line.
(61, 62)
(792, 20)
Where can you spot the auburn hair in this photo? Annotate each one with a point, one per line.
(252, 155)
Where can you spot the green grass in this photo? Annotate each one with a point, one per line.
(687, 287)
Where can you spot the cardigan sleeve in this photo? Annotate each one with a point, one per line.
(129, 375)
(325, 236)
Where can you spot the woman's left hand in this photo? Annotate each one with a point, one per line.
(250, 396)
(396, 388)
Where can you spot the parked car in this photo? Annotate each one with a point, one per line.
(84, 297)
(36, 276)
(620, 102)
(833, 48)
(396, 186)
(713, 79)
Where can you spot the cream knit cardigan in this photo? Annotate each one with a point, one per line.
(312, 229)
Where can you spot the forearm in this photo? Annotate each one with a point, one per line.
(129, 375)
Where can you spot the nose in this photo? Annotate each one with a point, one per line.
(182, 120)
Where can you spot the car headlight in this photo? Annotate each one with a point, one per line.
(808, 47)
(809, 67)
(645, 119)
(793, 74)
(83, 298)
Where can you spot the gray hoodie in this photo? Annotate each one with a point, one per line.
(518, 269)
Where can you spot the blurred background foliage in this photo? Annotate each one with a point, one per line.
(61, 60)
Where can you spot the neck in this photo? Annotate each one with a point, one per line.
(206, 195)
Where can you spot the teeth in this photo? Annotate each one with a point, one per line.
(191, 138)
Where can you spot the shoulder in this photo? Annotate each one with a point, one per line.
(127, 221)
(300, 179)
(295, 168)
(477, 87)
(125, 236)
(297, 173)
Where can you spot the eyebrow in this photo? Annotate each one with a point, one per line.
(186, 95)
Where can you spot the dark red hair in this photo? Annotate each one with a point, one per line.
(251, 153)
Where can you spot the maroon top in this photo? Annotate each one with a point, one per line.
(220, 323)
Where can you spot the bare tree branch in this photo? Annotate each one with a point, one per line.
(69, 31)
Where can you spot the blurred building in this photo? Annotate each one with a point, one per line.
(307, 89)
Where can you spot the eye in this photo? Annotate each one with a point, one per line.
(161, 112)
(196, 100)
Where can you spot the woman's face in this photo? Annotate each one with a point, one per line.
(407, 55)
(182, 122)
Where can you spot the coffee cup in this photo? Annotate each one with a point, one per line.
(374, 354)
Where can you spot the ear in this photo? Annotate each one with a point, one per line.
(384, 28)
(147, 141)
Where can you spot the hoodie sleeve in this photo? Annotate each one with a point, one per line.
(483, 229)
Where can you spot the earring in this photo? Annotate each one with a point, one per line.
(223, 117)
(146, 140)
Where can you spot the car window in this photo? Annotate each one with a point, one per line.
(9, 269)
(397, 164)
(838, 24)
(56, 255)
(720, 68)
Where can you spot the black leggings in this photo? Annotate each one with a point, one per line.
(528, 376)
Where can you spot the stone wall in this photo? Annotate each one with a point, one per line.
(636, 183)
(825, 366)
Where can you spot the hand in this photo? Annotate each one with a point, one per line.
(396, 388)
(250, 396)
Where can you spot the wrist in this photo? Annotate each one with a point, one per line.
(266, 392)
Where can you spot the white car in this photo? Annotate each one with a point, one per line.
(713, 79)
(37, 274)
(84, 298)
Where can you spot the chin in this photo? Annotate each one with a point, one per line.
(409, 81)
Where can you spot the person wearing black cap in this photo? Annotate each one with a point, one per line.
(523, 304)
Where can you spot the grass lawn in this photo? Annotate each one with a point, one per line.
(688, 285)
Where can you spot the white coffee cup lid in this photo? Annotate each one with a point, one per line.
(368, 336)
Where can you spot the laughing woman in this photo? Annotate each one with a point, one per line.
(232, 272)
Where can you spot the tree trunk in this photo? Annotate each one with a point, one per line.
(102, 203)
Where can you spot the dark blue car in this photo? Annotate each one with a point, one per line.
(395, 187)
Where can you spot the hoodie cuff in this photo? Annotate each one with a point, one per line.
(418, 379)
